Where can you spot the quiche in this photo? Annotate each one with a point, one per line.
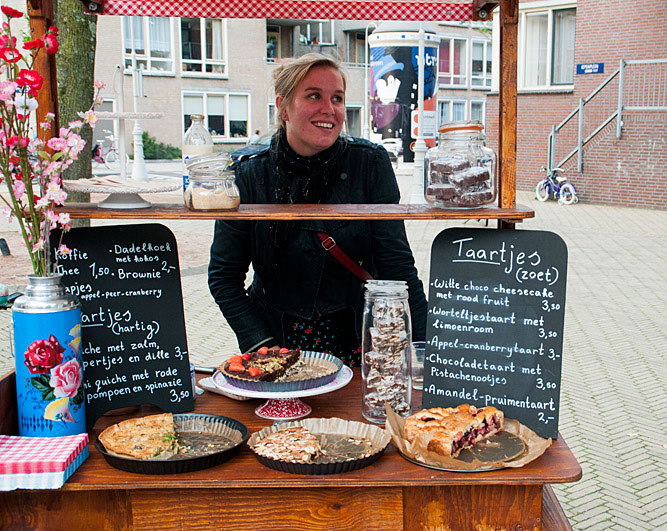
(453, 429)
(151, 437)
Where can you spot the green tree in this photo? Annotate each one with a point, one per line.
(75, 67)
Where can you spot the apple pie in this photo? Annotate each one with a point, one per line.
(453, 429)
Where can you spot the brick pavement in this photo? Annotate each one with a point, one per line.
(613, 398)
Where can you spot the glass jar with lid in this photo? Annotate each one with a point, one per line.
(385, 350)
(211, 186)
(461, 171)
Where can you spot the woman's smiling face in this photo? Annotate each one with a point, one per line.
(315, 116)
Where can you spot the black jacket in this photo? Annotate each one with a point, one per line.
(306, 279)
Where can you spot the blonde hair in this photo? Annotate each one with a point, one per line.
(291, 72)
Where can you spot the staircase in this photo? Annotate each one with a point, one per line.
(634, 86)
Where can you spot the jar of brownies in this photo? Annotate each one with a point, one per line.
(461, 171)
(385, 346)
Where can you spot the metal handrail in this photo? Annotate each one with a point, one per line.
(582, 139)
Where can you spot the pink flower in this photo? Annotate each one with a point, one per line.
(18, 189)
(31, 79)
(11, 13)
(63, 250)
(57, 144)
(75, 124)
(23, 141)
(99, 84)
(66, 379)
(91, 118)
(43, 355)
(36, 43)
(51, 43)
(7, 90)
(64, 219)
(12, 141)
(10, 55)
(49, 116)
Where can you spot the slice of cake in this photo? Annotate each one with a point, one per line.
(265, 365)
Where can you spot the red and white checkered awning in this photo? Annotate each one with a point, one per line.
(295, 9)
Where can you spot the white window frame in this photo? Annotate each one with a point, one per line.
(466, 64)
(308, 22)
(450, 103)
(135, 57)
(204, 94)
(272, 115)
(204, 61)
(486, 76)
(483, 103)
(541, 8)
(357, 107)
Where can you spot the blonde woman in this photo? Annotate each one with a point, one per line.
(301, 296)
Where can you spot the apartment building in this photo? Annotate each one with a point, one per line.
(571, 87)
(222, 68)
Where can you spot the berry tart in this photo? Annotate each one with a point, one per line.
(265, 365)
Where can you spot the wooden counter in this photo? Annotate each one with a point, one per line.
(242, 494)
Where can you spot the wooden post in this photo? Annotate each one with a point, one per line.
(41, 17)
(507, 105)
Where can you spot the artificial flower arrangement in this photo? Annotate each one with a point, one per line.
(32, 168)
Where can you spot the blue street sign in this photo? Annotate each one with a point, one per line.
(590, 68)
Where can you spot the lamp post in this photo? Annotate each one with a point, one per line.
(366, 126)
(420, 145)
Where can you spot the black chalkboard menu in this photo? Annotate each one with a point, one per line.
(133, 329)
(494, 333)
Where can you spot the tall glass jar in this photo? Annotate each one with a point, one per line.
(385, 346)
(461, 171)
(196, 142)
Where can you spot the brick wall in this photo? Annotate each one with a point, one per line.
(616, 171)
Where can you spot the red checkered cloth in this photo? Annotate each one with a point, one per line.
(296, 9)
(37, 455)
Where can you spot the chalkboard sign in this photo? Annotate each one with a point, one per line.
(133, 329)
(494, 332)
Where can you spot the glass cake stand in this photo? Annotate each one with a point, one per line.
(281, 405)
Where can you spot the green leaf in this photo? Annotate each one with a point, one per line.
(78, 399)
(58, 155)
(44, 155)
(41, 383)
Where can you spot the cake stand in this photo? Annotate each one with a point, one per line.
(122, 194)
(283, 405)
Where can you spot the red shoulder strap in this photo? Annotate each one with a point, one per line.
(329, 244)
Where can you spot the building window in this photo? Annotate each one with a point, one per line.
(317, 32)
(148, 40)
(273, 116)
(562, 70)
(480, 71)
(477, 111)
(547, 48)
(452, 62)
(353, 121)
(356, 48)
(203, 46)
(273, 42)
(225, 115)
(451, 111)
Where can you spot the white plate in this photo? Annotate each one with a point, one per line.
(342, 379)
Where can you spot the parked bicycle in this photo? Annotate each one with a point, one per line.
(555, 185)
(109, 157)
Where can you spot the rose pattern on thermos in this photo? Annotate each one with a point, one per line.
(57, 379)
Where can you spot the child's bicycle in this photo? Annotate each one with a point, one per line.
(555, 185)
(111, 157)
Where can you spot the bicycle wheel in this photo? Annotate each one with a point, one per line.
(567, 195)
(112, 160)
(542, 191)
